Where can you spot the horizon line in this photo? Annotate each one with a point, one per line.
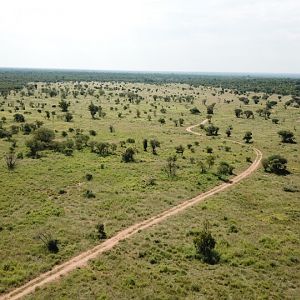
(245, 73)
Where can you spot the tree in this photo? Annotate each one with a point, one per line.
(287, 136)
(101, 232)
(128, 155)
(238, 112)
(93, 109)
(50, 243)
(179, 149)
(248, 114)
(211, 130)
(210, 109)
(275, 164)
(145, 144)
(171, 166)
(68, 117)
(225, 169)
(210, 160)
(44, 135)
(64, 105)
(228, 132)
(205, 244)
(247, 137)
(19, 118)
(35, 146)
(154, 144)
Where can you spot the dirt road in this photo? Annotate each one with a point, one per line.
(83, 258)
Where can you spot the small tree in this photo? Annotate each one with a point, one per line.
(287, 136)
(10, 159)
(210, 109)
(228, 132)
(247, 137)
(171, 166)
(154, 144)
(128, 155)
(225, 169)
(179, 149)
(205, 244)
(68, 117)
(101, 231)
(64, 105)
(210, 160)
(238, 112)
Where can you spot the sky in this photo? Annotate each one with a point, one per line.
(152, 35)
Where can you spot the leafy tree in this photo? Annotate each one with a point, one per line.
(247, 137)
(287, 136)
(93, 109)
(128, 155)
(275, 164)
(205, 244)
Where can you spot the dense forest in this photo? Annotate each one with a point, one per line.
(14, 79)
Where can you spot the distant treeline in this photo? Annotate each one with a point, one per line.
(14, 79)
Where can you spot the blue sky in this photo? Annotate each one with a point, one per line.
(152, 35)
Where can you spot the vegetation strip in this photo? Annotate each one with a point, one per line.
(84, 257)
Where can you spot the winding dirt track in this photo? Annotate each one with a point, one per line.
(82, 259)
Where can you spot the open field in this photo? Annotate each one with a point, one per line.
(255, 223)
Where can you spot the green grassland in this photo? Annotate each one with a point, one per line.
(256, 223)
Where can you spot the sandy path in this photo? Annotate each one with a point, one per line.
(82, 259)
